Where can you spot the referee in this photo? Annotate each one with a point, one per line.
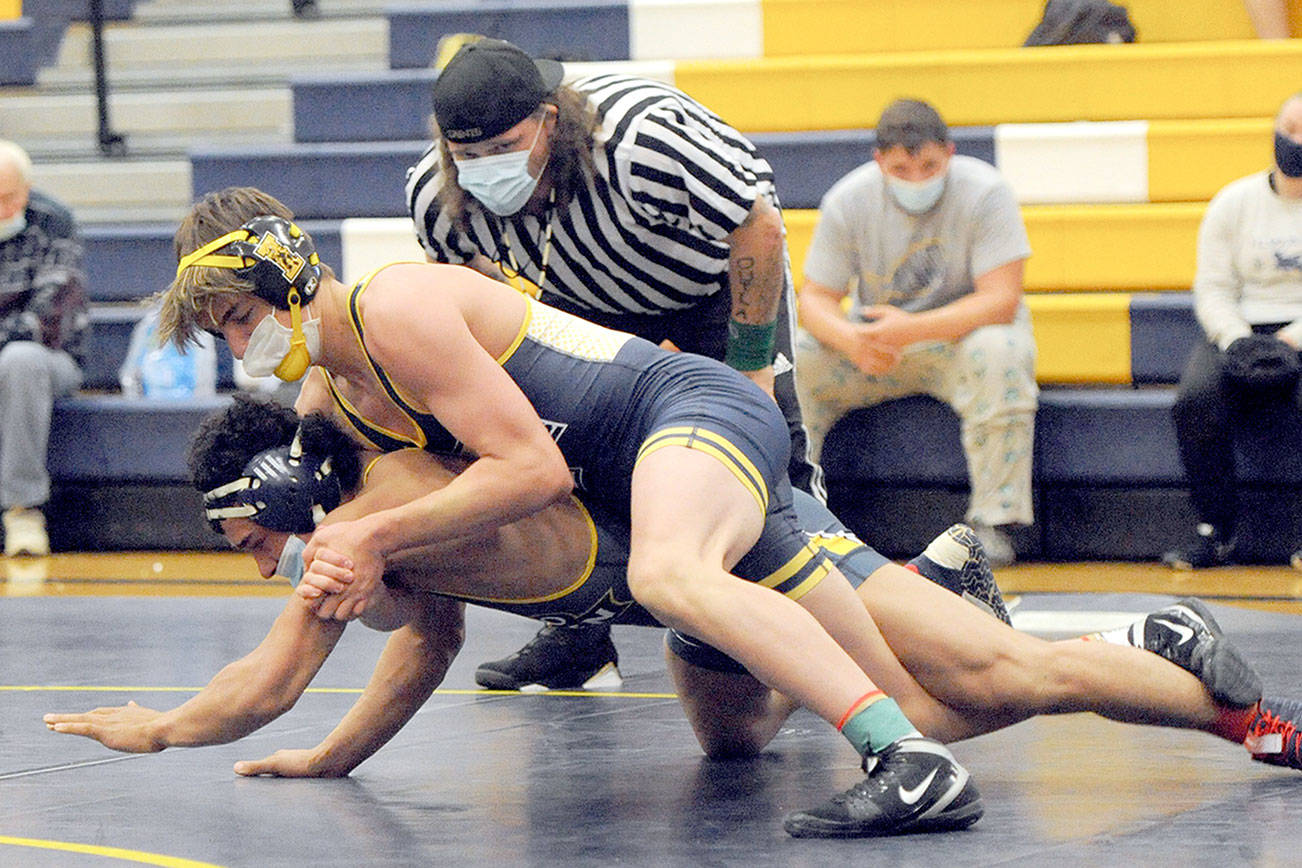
(626, 202)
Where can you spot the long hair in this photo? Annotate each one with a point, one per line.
(567, 167)
(192, 292)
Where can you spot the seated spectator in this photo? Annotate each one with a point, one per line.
(43, 328)
(932, 247)
(1248, 300)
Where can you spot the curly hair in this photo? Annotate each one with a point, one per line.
(567, 167)
(229, 438)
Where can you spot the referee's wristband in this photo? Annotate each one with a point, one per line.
(750, 347)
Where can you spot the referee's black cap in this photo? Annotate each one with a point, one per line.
(488, 87)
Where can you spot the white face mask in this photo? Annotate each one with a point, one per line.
(502, 182)
(916, 197)
(15, 224)
(290, 564)
(270, 341)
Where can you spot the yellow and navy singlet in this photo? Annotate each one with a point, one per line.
(603, 394)
(609, 398)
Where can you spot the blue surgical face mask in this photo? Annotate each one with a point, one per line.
(1288, 155)
(916, 197)
(15, 224)
(290, 564)
(502, 182)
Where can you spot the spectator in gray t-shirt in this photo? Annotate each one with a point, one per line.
(913, 285)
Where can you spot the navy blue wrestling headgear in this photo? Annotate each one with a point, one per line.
(281, 489)
(270, 252)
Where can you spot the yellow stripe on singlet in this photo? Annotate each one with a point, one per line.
(711, 443)
(793, 567)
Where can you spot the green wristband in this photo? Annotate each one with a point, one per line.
(750, 347)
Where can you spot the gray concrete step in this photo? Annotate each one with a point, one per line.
(263, 114)
(193, 53)
(181, 75)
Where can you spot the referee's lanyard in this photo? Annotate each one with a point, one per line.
(516, 278)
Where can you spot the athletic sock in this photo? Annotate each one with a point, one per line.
(1232, 724)
(875, 722)
(1126, 635)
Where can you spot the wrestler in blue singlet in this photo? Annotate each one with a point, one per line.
(608, 398)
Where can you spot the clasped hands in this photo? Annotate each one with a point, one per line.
(341, 571)
(876, 343)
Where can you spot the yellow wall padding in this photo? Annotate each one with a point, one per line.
(985, 87)
(1082, 337)
(1082, 247)
(1191, 160)
(866, 26)
(10, 9)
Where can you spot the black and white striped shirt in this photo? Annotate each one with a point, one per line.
(647, 234)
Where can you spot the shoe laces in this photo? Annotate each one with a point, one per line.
(1267, 724)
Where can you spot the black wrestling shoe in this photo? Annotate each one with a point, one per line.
(558, 657)
(1188, 636)
(914, 785)
(1274, 736)
(1207, 549)
(956, 560)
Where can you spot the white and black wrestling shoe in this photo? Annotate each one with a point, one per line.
(914, 785)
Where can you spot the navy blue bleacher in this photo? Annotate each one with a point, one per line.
(1107, 479)
(324, 181)
(335, 180)
(131, 263)
(565, 29)
(19, 52)
(121, 482)
(32, 41)
(1163, 330)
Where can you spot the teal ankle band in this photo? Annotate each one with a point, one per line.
(877, 726)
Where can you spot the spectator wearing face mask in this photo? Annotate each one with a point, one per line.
(929, 247)
(43, 330)
(1248, 300)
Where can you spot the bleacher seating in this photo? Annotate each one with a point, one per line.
(1112, 150)
(30, 41)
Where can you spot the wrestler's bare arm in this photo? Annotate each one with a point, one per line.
(245, 695)
(414, 662)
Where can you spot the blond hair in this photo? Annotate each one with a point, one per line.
(185, 305)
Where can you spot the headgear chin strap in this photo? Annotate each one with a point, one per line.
(281, 489)
(281, 262)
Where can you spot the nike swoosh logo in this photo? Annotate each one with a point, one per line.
(910, 796)
(1180, 630)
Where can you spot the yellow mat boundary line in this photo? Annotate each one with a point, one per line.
(138, 856)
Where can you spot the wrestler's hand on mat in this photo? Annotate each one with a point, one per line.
(124, 727)
(285, 764)
(350, 540)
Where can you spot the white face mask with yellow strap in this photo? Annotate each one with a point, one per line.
(284, 351)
